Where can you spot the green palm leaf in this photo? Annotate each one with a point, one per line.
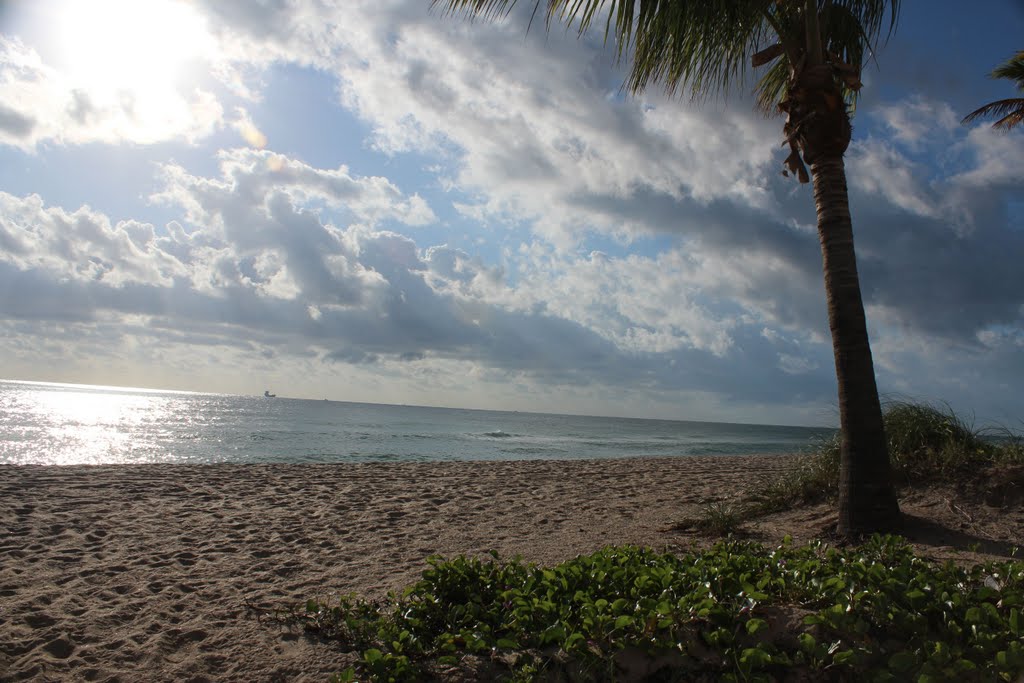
(708, 45)
(1012, 69)
(1010, 112)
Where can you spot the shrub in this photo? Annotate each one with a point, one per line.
(925, 443)
(717, 518)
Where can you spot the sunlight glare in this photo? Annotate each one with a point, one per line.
(118, 45)
(128, 51)
(92, 427)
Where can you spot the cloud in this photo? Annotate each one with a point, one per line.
(531, 138)
(252, 180)
(81, 246)
(640, 304)
(41, 104)
(633, 244)
(255, 266)
(247, 129)
(916, 120)
(15, 125)
(878, 169)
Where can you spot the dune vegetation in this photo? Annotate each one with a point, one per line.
(734, 611)
(927, 444)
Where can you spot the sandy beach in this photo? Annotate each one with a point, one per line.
(134, 573)
(143, 572)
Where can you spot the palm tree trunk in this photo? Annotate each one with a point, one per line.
(867, 498)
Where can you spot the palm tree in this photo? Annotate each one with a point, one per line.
(1011, 111)
(813, 51)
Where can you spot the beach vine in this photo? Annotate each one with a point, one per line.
(737, 611)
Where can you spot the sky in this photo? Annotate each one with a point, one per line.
(365, 200)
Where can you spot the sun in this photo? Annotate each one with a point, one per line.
(127, 48)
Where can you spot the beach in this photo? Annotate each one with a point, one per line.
(145, 572)
(166, 572)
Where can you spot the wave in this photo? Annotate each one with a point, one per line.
(526, 450)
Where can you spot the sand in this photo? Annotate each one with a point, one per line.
(144, 572)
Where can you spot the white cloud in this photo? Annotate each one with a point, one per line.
(796, 365)
(640, 304)
(257, 272)
(535, 140)
(41, 104)
(251, 179)
(645, 243)
(998, 159)
(82, 245)
(917, 121)
(876, 168)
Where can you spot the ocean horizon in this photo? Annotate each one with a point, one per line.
(45, 423)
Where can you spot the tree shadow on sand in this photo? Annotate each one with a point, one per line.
(929, 532)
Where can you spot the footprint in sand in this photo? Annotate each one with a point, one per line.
(60, 648)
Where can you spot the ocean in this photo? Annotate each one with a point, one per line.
(64, 424)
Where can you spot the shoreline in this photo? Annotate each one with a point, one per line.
(144, 571)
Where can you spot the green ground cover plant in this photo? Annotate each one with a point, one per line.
(737, 611)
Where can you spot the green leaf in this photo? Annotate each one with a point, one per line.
(553, 634)
(572, 640)
(346, 676)
(623, 621)
(902, 662)
(965, 665)
(807, 642)
(372, 655)
(755, 658)
(755, 626)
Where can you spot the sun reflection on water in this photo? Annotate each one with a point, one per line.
(75, 427)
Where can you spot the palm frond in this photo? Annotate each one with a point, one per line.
(707, 45)
(845, 36)
(489, 9)
(1008, 110)
(771, 89)
(1011, 120)
(1012, 69)
(871, 16)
